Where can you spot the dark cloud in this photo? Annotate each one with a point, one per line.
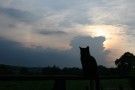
(52, 32)
(96, 47)
(15, 54)
(11, 25)
(23, 16)
(59, 5)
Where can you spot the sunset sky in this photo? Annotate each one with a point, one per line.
(49, 32)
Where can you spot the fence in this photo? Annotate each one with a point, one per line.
(59, 79)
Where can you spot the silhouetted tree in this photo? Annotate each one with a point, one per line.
(55, 70)
(51, 70)
(125, 63)
(113, 71)
(5, 70)
(24, 71)
(71, 71)
(103, 71)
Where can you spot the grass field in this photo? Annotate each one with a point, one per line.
(71, 85)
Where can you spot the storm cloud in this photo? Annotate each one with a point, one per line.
(14, 53)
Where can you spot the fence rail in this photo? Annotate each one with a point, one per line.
(54, 77)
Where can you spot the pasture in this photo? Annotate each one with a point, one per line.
(70, 84)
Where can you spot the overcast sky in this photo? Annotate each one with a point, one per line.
(49, 32)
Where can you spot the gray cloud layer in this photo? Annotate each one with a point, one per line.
(15, 54)
(44, 32)
(17, 14)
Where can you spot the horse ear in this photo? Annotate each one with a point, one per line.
(80, 47)
(87, 46)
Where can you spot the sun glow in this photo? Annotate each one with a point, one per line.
(100, 30)
(107, 31)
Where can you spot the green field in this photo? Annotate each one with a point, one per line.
(70, 84)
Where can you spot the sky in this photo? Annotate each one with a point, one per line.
(49, 32)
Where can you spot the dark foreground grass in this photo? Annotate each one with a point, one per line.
(112, 84)
(70, 84)
(26, 85)
(105, 84)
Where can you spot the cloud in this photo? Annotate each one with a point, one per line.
(52, 32)
(96, 47)
(17, 14)
(15, 54)
(86, 11)
(57, 22)
(114, 12)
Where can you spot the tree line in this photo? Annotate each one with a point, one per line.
(125, 65)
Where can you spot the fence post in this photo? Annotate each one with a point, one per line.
(120, 87)
(87, 87)
(59, 84)
(91, 84)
